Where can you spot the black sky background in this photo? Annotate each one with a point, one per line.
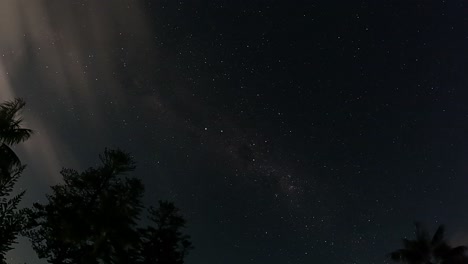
(286, 131)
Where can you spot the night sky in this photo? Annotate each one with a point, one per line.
(286, 131)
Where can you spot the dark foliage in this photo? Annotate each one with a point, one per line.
(92, 218)
(426, 250)
(11, 219)
(11, 133)
(164, 243)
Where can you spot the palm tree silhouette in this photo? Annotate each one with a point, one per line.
(11, 132)
(426, 250)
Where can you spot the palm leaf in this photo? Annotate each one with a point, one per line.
(8, 157)
(438, 236)
(11, 131)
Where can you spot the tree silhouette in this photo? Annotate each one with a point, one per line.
(92, 218)
(426, 250)
(11, 133)
(11, 219)
(164, 243)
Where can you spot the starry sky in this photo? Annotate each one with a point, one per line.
(286, 131)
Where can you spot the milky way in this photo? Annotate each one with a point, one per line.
(286, 133)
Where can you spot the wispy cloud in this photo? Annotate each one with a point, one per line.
(59, 51)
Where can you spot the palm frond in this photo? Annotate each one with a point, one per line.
(8, 158)
(15, 136)
(11, 131)
(10, 108)
(421, 232)
(438, 236)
